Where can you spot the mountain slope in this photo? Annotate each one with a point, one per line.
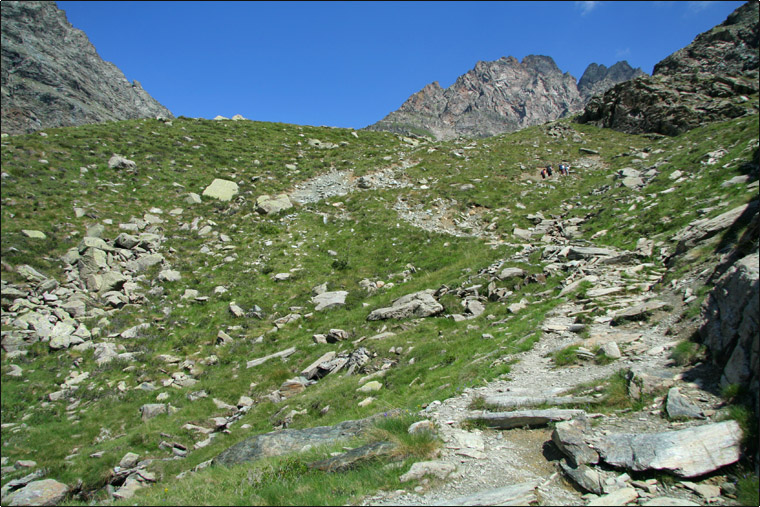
(52, 76)
(500, 96)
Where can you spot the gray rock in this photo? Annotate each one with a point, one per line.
(279, 443)
(268, 205)
(224, 190)
(637, 312)
(327, 300)
(568, 436)
(354, 457)
(731, 316)
(678, 406)
(43, 492)
(622, 496)
(686, 453)
(523, 493)
(151, 410)
(420, 469)
(520, 418)
(584, 476)
(418, 304)
(120, 162)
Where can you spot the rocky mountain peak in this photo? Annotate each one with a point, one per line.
(599, 78)
(52, 76)
(500, 96)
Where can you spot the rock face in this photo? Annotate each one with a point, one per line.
(707, 81)
(731, 317)
(52, 76)
(500, 96)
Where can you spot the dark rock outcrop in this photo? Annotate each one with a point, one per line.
(712, 79)
(597, 79)
(497, 97)
(52, 76)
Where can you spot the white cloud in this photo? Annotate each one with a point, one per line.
(586, 6)
(695, 7)
(622, 53)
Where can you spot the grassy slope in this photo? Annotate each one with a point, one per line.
(370, 240)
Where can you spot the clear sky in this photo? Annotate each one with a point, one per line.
(348, 64)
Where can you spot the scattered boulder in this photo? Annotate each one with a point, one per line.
(418, 304)
(120, 162)
(686, 453)
(268, 205)
(42, 492)
(420, 469)
(327, 300)
(224, 190)
(678, 406)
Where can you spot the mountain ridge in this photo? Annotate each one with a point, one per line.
(501, 96)
(52, 75)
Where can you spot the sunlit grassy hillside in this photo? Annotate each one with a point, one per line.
(52, 177)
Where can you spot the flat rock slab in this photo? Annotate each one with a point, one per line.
(418, 304)
(523, 493)
(507, 401)
(262, 360)
(268, 205)
(224, 190)
(521, 418)
(354, 457)
(328, 300)
(637, 312)
(622, 496)
(279, 443)
(44, 492)
(686, 453)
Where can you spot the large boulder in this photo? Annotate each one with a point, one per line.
(418, 304)
(268, 205)
(224, 190)
(686, 453)
(43, 492)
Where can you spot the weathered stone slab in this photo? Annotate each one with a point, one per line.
(328, 300)
(637, 312)
(507, 401)
(354, 457)
(588, 252)
(585, 477)
(677, 405)
(523, 493)
(521, 418)
(623, 496)
(418, 304)
(224, 190)
(667, 501)
(262, 360)
(43, 492)
(568, 436)
(702, 229)
(278, 443)
(268, 205)
(686, 453)
(420, 469)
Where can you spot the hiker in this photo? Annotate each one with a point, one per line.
(543, 174)
(549, 170)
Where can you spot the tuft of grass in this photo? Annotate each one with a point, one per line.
(687, 352)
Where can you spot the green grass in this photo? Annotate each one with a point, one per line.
(440, 357)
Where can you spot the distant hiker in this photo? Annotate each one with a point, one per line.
(563, 169)
(543, 174)
(549, 170)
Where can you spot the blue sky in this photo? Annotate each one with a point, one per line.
(348, 64)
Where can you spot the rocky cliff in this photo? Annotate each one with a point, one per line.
(52, 76)
(501, 96)
(709, 80)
